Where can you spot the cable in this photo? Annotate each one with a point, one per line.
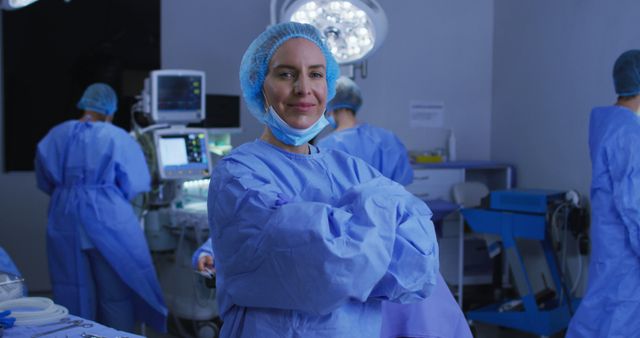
(580, 268)
(564, 293)
(154, 127)
(554, 214)
(564, 241)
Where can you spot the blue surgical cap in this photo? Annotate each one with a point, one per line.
(100, 98)
(255, 62)
(626, 73)
(347, 95)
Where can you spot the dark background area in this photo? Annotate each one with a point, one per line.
(223, 111)
(54, 49)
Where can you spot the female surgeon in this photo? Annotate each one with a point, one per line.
(611, 305)
(99, 262)
(308, 242)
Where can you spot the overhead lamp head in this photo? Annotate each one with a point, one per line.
(15, 4)
(353, 29)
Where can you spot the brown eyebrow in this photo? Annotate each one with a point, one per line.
(292, 67)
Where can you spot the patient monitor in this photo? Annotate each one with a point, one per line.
(182, 153)
(176, 96)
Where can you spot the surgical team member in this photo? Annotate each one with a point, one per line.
(377, 146)
(439, 315)
(308, 243)
(611, 305)
(99, 262)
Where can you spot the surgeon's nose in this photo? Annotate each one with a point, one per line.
(303, 86)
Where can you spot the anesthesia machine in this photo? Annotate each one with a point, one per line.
(175, 211)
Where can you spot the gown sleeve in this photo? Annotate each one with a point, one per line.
(400, 168)
(49, 152)
(274, 251)
(44, 180)
(624, 165)
(132, 173)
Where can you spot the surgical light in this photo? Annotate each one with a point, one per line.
(15, 4)
(353, 29)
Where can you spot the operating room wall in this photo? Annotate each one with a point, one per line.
(552, 64)
(437, 51)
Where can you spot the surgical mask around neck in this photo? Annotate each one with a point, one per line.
(289, 135)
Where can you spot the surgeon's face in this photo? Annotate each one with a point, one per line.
(296, 84)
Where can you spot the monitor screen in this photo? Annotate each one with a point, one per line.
(177, 96)
(223, 112)
(179, 93)
(183, 153)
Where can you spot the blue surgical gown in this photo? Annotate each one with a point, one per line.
(92, 170)
(611, 305)
(439, 315)
(376, 146)
(309, 245)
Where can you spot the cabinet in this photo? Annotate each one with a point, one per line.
(434, 181)
(433, 184)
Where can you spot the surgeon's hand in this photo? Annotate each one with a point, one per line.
(208, 270)
(205, 262)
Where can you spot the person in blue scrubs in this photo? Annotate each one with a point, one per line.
(99, 262)
(611, 305)
(308, 242)
(438, 315)
(379, 147)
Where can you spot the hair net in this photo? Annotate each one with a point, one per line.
(347, 95)
(255, 62)
(99, 97)
(626, 73)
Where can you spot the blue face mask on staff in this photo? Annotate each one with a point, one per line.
(289, 135)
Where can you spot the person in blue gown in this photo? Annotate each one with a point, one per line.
(611, 304)
(438, 315)
(377, 146)
(99, 262)
(308, 242)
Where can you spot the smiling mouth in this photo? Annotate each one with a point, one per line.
(302, 105)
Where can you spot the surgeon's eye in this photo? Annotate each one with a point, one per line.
(286, 75)
(318, 75)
